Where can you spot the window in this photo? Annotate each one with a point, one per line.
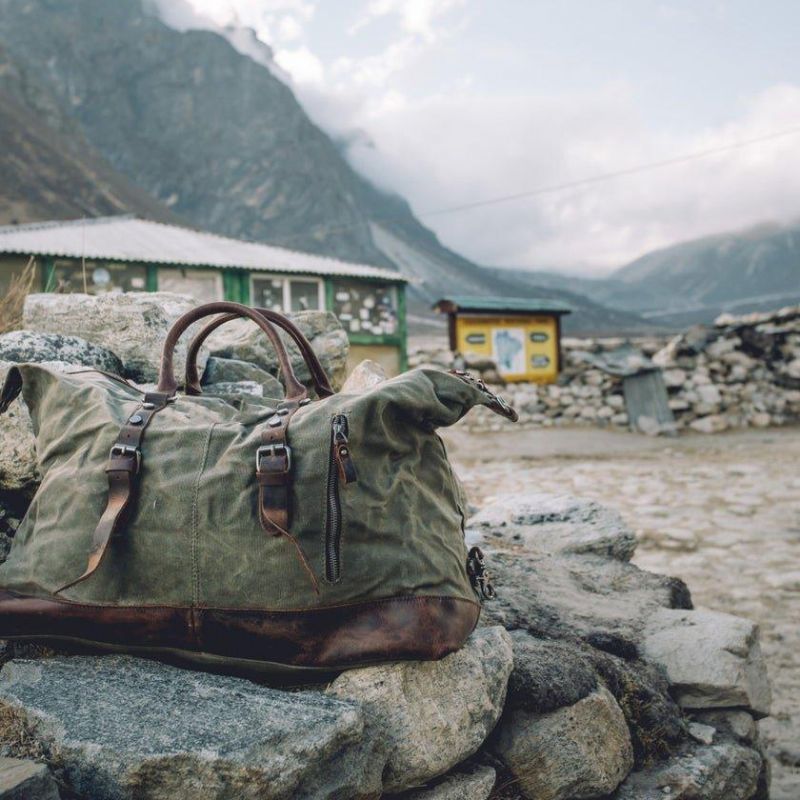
(205, 285)
(369, 308)
(97, 277)
(286, 294)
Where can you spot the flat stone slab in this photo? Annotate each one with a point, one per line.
(428, 716)
(712, 659)
(122, 728)
(21, 779)
(539, 522)
(720, 772)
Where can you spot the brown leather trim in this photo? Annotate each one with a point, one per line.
(397, 628)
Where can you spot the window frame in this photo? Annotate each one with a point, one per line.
(286, 288)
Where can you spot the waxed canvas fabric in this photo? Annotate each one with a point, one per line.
(194, 538)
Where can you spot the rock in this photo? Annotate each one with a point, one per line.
(131, 324)
(655, 722)
(760, 420)
(474, 785)
(713, 423)
(22, 346)
(674, 378)
(577, 597)
(241, 339)
(548, 523)
(231, 370)
(712, 660)
(583, 750)
(426, 717)
(548, 674)
(720, 772)
(364, 376)
(702, 733)
(26, 780)
(19, 471)
(235, 389)
(121, 728)
(736, 724)
(709, 394)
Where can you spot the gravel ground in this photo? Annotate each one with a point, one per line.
(721, 512)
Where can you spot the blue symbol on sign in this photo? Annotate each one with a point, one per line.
(507, 346)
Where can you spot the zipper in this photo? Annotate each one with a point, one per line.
(341, 469)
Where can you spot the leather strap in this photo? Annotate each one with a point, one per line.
(166, 378)
(318, 377)
(274, 478)
(123, 469)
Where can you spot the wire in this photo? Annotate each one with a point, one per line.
(559, 187)
(667, 162)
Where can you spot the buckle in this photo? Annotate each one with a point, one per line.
(274, 450)
(127, 450)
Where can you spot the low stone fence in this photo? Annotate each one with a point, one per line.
(741, 372)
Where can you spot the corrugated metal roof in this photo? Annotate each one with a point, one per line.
(127, 238)
(516, 305)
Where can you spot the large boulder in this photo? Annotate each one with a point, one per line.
(577, 597)
(582, 750)
(548, 674)
(19, 471)
(713, 660)
(120, 728)
(232, 370)
(725, 771)
(476, 784)
(22, 346)
(241, 339)
(426, 717)
(546, 523)
(26, 780)
(364, 376)
(131, 324)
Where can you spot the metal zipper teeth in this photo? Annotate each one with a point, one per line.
(333, 524)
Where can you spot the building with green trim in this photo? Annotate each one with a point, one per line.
(124, 253)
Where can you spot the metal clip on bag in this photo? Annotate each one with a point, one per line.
(284, 535)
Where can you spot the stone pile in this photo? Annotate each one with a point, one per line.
(740, 372)
(587, 678)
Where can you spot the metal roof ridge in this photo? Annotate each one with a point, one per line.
(46, 224)
(51, 224)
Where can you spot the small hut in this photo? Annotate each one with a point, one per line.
(521, 335)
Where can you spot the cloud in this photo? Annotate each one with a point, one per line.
(453, 149)
(418, 18)
(441, 146)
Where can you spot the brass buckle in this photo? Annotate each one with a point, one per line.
(122, 450)
(274, 450)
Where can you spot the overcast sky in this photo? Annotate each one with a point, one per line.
(454, 101)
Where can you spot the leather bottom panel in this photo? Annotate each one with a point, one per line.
(398, 628)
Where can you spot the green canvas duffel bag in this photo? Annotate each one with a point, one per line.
(293, 533)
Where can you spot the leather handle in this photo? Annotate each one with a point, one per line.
(318, 376)
(166, 376)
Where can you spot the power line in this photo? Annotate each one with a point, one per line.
(667, 162)
(559, 187)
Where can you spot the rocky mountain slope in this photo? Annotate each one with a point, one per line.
(219, 140)
(745, 270)
(754, 269)
(71, 178)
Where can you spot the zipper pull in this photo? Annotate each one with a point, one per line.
(478, 574)
(341, 451)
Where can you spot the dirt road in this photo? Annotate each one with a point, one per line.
(721, 512)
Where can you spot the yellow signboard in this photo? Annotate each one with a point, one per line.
(524, 348)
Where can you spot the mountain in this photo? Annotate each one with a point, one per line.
(71, 179)
(696, 280)
(215, 136)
